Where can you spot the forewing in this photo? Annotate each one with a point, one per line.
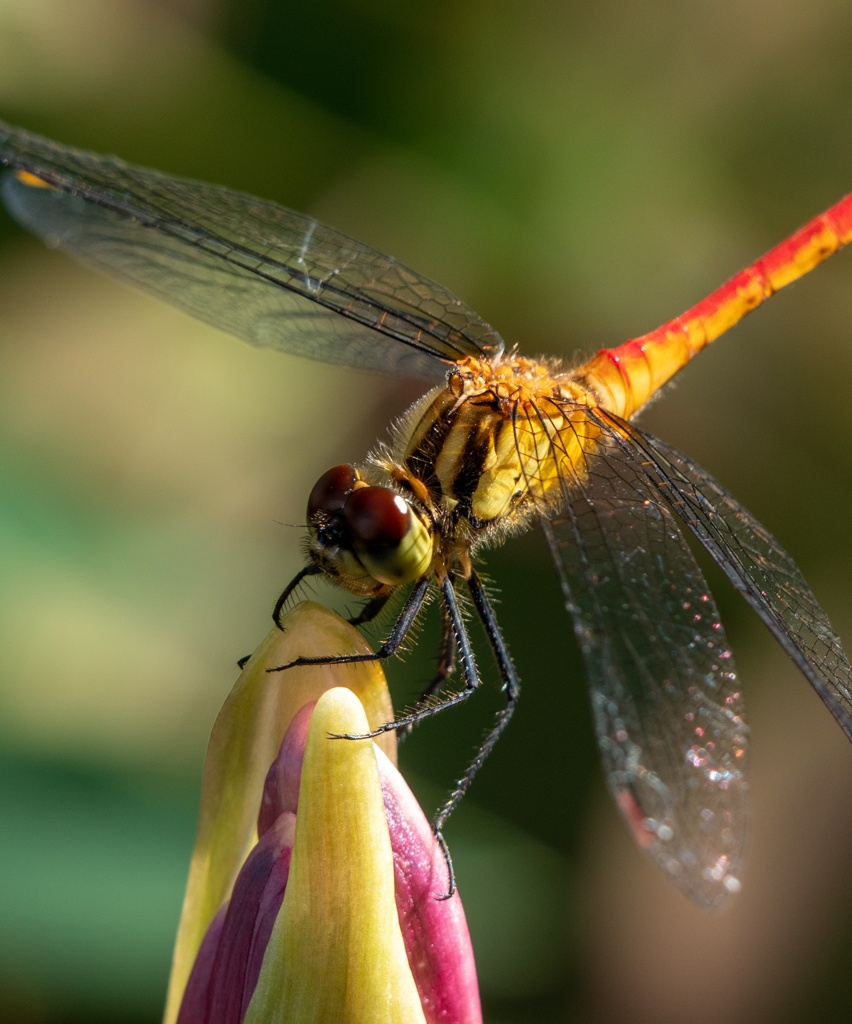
(667, 707)
(273, 277)
(758, 567)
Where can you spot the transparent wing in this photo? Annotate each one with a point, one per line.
(266, 274)
(667, 707)
(758, 567)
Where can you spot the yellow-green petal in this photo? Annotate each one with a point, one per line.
(244, 742)
(336, 953)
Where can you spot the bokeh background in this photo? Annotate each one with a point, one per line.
(577, 172)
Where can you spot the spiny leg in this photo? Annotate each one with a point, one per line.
(511, 687)
(302, 574)
(446, 656)
(446, 666)
(470, 674)
(369, 610)
(420, 712)
(367, 613)
(410, 610)
(309, 570)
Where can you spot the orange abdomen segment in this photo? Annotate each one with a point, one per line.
(627, 376)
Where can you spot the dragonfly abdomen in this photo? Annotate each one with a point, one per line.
(628, 376)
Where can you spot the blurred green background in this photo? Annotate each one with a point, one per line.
(577, 172)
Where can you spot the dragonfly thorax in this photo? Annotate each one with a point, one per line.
(493, 446)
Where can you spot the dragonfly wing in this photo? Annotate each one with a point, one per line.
(273, 277)
(667, 708)
(758, 567)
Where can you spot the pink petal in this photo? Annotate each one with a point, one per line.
(281, 788)
(226, 969)
(434, 931)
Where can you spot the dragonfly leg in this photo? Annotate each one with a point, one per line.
(302, 574)
(411, 609)
(369, 611)
(309, 570)
(456, 631)
(437, 702)
(511, 688)
(446, 666)
(446, 656)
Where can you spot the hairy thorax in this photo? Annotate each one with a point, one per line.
(494, 445)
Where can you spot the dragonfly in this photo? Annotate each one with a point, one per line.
(498, 442)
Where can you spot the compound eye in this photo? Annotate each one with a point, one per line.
(377, 517)
(331, 491)
(390, 540)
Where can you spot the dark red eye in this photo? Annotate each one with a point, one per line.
(331, 491)
(376, 517)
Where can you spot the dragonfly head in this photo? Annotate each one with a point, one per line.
(366, 537)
